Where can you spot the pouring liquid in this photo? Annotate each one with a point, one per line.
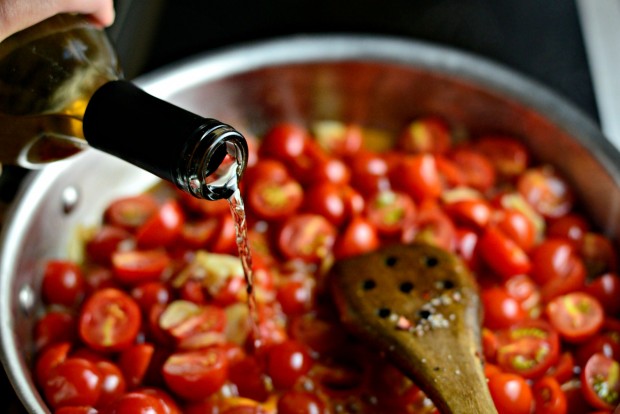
(226, 178)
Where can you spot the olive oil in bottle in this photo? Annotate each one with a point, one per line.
(62, 90)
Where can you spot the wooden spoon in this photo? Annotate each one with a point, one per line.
(419, 305)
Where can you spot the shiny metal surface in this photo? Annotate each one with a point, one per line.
(380, 82)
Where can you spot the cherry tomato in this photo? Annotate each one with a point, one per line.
(148, 294)
(502, 254)
(63, 283)
(417, 175)
(600, 343)
(106, 241)
(287, 362)
(475, 213)
(197, 374)
(300, 402)
(327, 170)
(337, 138)
(284, 141)
(266, 169)
(337, 203)
(606, 289)
(199, 234)
(577, 316)
(75, 381)
(545, 190)
(368, 173)
(601, 382)
(308, 237)
(200, 207)
(501, 310)
(511, 393)
(139, 266)
(432, 226)
(193, 326)
(163, 228)
(166, 399)
(273, 200)
(131, 212)
(136, 402)
(53, 327)
(548, 397)
(248, 376)
(390, 211)
(598, 253)
(478, 170)
(517, 226)
(569, 226)
(359, 236)
(319, 335)
(563, 370)
(109, 320)
(76, 409)
(134, 362)
(295, 297)
(508, 155)
(426, 134)
(526, 292)
(113, 383)
(528, 348)
(48, 359)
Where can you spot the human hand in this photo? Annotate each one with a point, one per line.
(16, 15)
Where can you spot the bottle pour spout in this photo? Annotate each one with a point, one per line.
(202, 156)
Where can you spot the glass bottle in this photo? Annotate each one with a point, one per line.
(62, 90)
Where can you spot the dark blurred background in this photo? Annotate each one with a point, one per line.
(541, 39)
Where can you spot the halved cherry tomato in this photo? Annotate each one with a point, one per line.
(131, 212)
(432, 226)
(75, 381)
(139, 266)
(528, 348)
(150, 293)
(526, 292)
(273, 200)
(426, 134)
(570, 226)
(337, 203)
(390, 212)
(163, 228)
(194, 326)
(511, 393)
(337, 138)
(471, 212)
(249, 377)
(508, 155)
(109, 320)
(601, 382)
(545, 190)
(63, 283)
(548, 397)
(577, 316)
(502, 254)
(602, 343)
(295, 297)
(309, 237)
(194, 375)
(165, 398)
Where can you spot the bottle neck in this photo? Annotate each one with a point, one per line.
(202, 156)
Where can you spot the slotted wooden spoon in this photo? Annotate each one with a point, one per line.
(420, 305)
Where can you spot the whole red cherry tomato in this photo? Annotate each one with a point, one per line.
(501, 309)
(163, 228)
(287, 362)
(63, 283)
(502, 254)
(358, 236)
(300, 402)
(75, 381)
(511, 393)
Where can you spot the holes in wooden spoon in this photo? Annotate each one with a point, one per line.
(391, 261)
(406, 287)
(384, 312)
(369, 284)
(431, 261)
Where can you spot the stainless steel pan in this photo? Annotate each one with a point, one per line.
(378, 81)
